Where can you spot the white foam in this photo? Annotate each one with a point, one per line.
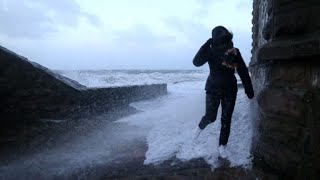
(172, 120)
(108, 78)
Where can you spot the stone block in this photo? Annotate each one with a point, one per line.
(316, 76)
(283, 131)
(295, 19)
(259, 75)
(290, 75)
(315, 129)
(282, 50)
(281, 159)
(282, 102)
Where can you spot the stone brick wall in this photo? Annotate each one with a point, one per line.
(285, 69)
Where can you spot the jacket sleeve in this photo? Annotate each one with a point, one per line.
(202, 55)
(244, 76)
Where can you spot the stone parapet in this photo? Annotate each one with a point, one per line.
(30, 92)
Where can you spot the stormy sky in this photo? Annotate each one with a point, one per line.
(119, 34)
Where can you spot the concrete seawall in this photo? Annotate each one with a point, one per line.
(30, 92)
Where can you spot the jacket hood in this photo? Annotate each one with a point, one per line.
(221, 37)
(221, 32)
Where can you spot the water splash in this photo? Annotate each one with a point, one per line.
(171, 128)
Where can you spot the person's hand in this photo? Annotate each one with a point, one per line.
(230, 65)
(233, 51)
(250, 94)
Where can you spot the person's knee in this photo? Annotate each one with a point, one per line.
(211, 117)
(206, 120)
(203, 123)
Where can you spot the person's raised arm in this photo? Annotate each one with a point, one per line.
(203, 54)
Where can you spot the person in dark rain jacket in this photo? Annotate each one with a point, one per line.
(221, 86)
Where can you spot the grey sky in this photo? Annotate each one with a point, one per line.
(119, 34)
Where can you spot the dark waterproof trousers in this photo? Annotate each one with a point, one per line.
(227, 98)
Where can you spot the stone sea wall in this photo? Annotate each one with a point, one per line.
(30, 92)
(285, 70)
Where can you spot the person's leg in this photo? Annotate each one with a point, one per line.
(212, 105)
(227, 103)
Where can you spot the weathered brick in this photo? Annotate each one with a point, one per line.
(282, 102)
(290, 75)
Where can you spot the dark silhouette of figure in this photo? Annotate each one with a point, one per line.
(221, 86)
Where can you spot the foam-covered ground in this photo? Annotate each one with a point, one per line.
(171, 121)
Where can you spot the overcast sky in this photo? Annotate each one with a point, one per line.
(119, 34)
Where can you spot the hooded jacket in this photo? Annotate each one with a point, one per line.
(221, 76)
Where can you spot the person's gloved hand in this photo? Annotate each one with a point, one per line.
(233, 51)
(250, 94)
(230, 65)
